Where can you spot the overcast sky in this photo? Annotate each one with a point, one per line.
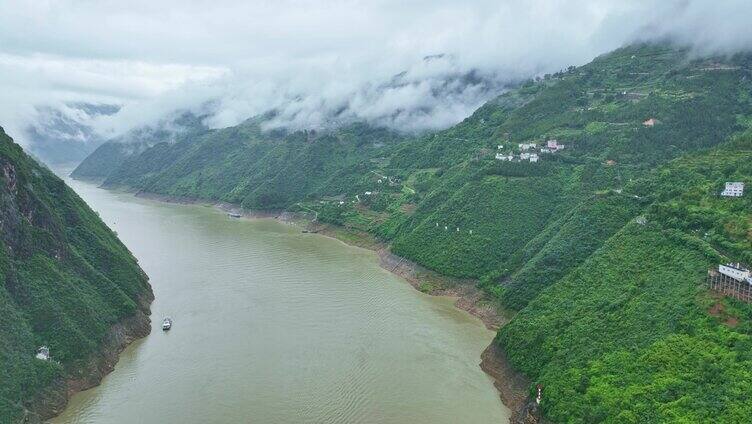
(312, 58)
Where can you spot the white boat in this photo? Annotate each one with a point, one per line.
(166, 324)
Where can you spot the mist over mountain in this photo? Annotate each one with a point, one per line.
(434, 94)
(413, 68)
(64, 135)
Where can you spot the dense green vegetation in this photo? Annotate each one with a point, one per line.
(602, 298)
(66, 279)
(110, 156)
(626, 337)
(565, 244)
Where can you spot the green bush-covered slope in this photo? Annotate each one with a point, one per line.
(558, 241)
(626, 336)
(565, 244)
(66, 279)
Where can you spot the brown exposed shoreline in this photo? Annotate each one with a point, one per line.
(513, 387)
(53, 399)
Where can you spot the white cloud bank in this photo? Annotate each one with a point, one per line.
(320, 61)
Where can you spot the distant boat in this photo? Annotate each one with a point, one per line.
(166, 324)
(234, 215)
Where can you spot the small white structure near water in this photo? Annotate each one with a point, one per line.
(43, 353)
(733, 189)
(736, 271)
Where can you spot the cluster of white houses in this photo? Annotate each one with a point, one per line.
(532, 157)
(528, 151)
(733, 189)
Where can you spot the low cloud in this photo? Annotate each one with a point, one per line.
(411, 66)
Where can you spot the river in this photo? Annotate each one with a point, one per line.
(275, 326)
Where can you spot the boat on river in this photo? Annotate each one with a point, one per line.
(234, 215)
(166, 324)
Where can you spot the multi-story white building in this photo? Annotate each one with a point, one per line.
(527, 146)
(736, 271)
(503, 157)
(533, 157)
(733, 189)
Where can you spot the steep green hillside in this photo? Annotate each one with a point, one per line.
(105, 159)
(66, 279)
(258, 170)
(503, 213)
(562, 246)
(626, 336)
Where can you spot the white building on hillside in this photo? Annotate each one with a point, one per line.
(736, 271)
(527, 146)
(733, 189)
(554, 146)
(503, 157)
(533, 157)
(43, 353)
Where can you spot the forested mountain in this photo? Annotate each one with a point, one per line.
(612, 315)
(110, 155)
(68, 283)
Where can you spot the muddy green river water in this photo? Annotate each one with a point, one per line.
(275, 326)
